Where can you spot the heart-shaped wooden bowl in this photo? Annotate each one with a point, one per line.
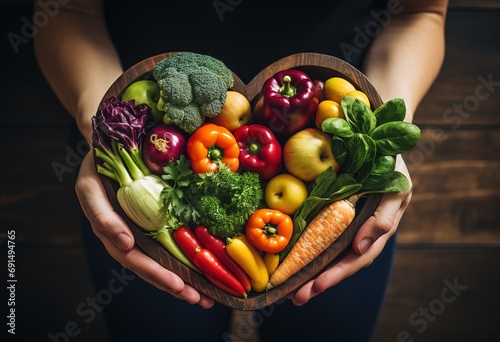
(317, 66)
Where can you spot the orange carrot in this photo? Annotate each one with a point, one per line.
(319, 234)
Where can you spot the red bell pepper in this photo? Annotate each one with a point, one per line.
(217, 246)
(260, 150)
(287, 102)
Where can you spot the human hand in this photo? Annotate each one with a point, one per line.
(118, 240)
(366, 246)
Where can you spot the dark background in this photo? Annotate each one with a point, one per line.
(449, 235)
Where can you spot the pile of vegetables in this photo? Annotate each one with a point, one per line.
(198, 187)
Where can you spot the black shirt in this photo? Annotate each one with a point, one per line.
(247, 35)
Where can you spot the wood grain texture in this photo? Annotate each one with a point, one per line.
(418, 304)
(317, 66)
(457, 188)
(467, 90)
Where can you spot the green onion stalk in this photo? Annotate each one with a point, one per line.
(118, 129)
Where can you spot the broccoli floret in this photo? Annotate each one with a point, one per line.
(209, 92)
(188, 118)
(175, 88)
(186, 79)
(184, 61)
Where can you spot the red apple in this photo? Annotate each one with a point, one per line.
(308, 153)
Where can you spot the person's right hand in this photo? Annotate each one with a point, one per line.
(116, 236)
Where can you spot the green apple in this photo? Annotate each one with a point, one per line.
(308, 153)
(145, 91)
(285, 192)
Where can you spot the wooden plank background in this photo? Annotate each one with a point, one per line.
(450, 231)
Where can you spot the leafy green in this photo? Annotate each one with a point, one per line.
(226, 199)
(337, 126)
(396, 137)
(179, 176)
(223, 200)
(396, 183)
(358, 115)
(339, 149)
(361, 149)
(379, 174)
(392, 110)
(365, 142)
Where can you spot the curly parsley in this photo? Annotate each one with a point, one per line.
(223, 200)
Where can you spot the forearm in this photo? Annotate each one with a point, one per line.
(406, 57)
(78, 59)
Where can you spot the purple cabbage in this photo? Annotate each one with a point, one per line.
(122, 122)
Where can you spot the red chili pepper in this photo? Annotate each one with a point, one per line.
(210, 266)
(287, 102)
(223, 286)
(260, 151)
(217, 246)
(187, 241)
(207, 262)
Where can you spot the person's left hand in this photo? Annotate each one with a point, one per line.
(366, 246)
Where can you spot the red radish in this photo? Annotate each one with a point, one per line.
(162, 144)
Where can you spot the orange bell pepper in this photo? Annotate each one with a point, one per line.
(210, 145)
(269, 230)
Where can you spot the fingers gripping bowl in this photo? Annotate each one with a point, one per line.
(317, 67)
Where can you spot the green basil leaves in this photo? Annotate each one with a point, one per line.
(365, 143)
(395, 137)
(358, 115)
(394, 110)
